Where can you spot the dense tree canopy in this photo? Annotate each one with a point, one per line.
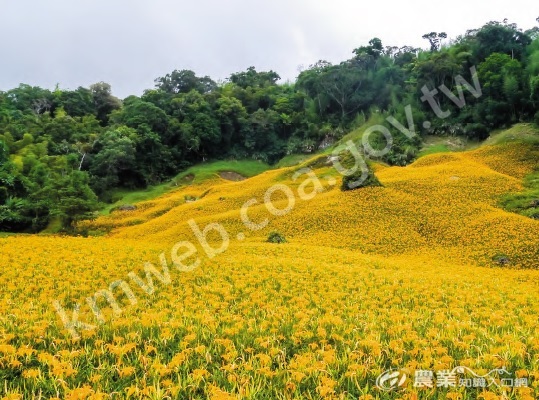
(62, 151)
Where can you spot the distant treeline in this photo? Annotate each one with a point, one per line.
(63, 151)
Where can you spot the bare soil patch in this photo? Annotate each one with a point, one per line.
(232, 176)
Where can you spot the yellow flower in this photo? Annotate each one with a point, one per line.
(199, 374)
(126, 371)
(31, 373)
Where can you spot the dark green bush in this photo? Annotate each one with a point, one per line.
(477, 131)
(356, 180)
(276, 237)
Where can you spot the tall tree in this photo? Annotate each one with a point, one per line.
(435, 39)
(71, 199)
(104, 101)
(254, 79)
(184, 81)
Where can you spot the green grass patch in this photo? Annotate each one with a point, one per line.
(292, 160)
(8, 234)
(434, 149)
(210, 170)
(445, 144)
(54, 226)
(519, 133)
(126, 196)
(527, 202)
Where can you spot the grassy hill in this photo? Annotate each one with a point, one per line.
(404, 276)
(425, 208)
(197, 174)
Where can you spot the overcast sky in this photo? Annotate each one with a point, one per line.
(128, 43)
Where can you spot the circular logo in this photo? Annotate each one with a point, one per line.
(391, 379)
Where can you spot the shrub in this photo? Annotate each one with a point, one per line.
(317, 162)
(356, 180)
(477, 131)
(276, 237)
(501, 259)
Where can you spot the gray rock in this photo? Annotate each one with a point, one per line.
(126, 207)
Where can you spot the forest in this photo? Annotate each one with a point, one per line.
(64, 152)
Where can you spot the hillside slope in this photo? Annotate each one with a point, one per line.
(398, 276)
(442, 206)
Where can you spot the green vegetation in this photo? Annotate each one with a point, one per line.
(126, 196)
(363, 176)
(66, 153)
(276, 237)
(7, 234)
(193, 175)
(292, 160)
(522, 133)
(211, 170)
(434, 149)
(443, 144)
(54, 226)
(357, 180)
(527, 202)
(356, 135)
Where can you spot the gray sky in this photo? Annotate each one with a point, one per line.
(128, 43)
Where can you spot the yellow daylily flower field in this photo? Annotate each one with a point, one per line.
(395, 277)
